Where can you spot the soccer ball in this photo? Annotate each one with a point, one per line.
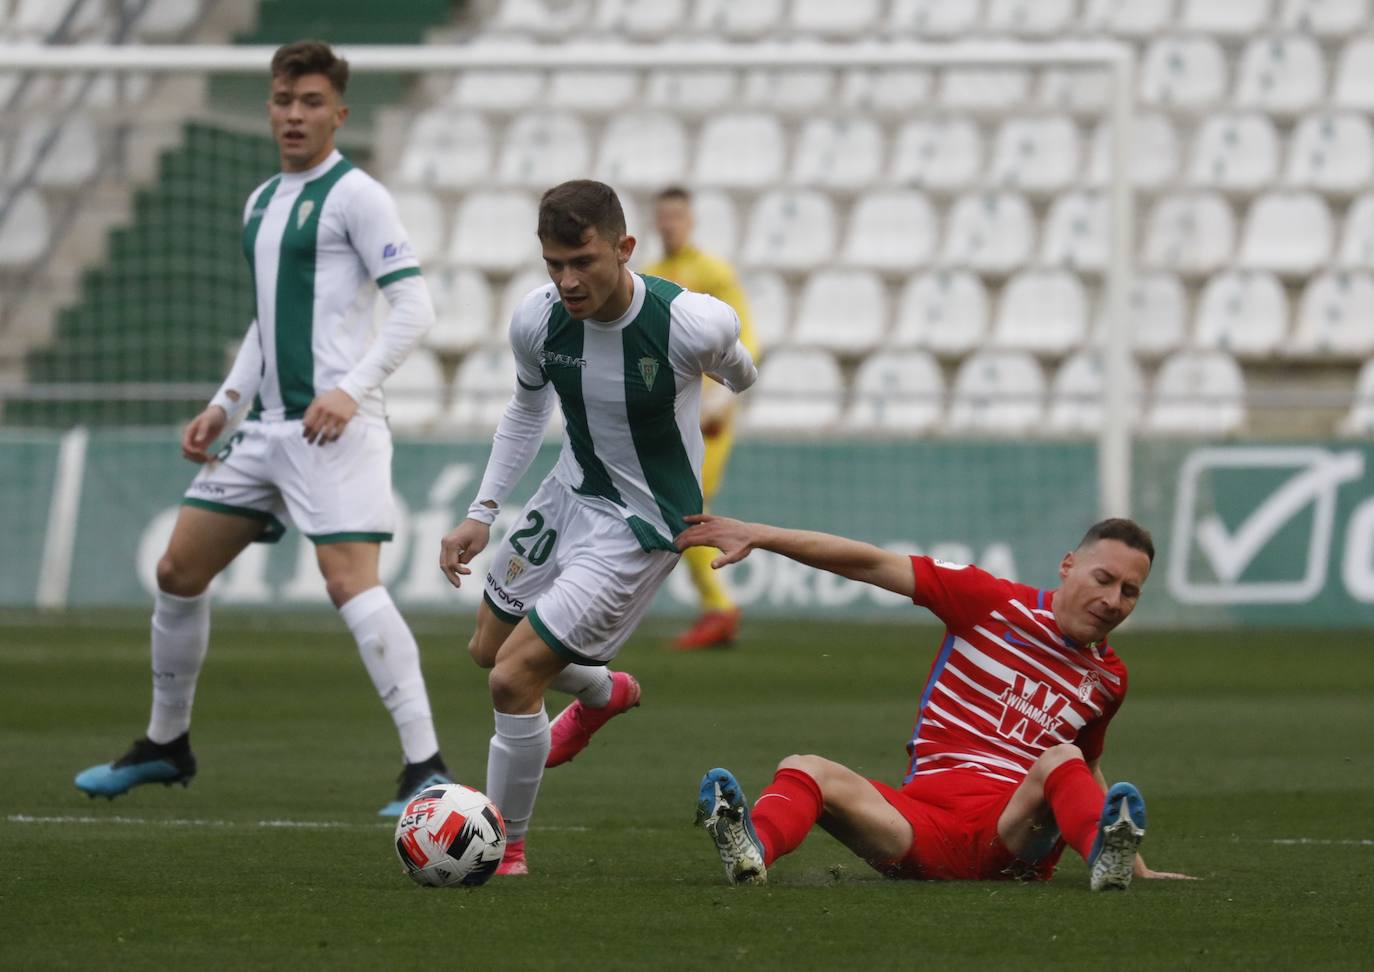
(450, 835)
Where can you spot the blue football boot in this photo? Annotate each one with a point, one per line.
(145, 762)
(1120, 830)
(723, 811)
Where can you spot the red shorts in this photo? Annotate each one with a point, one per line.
(953, 817)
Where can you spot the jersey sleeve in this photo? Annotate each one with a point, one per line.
(526, 326)
(710, 343)
(375, 229)
(1092, 738)
(954, 593)
(726, 286)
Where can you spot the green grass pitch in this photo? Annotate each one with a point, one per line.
(1253, 751)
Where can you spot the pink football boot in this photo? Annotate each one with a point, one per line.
(573, 728)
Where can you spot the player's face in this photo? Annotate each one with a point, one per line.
(674, 220)
(591, 277)
(305, 113)
(1100, 585)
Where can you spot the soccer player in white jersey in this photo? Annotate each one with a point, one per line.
(321, 238)
(1005, 759)
(624, 356)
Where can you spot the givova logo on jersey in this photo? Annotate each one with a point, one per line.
(1029, 710)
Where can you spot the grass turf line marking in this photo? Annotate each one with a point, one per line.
(23, 818)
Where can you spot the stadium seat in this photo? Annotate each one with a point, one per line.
(24, 230)
(769, 307)
(1191, 233)
(930, 19)
(415, 392)
(835, 21)
(643, 150)
(1043, 311)
(1197, 393)
(38, 20)
(423, 217)
(732, 20)
(545, 19)
(62, 154)
(1155, 154)
(1354, 86)
(844, 311)
(1335, 316)
(943, 155)
(1077, 394)
(717, 223)
(1077, 232)
(1127, 18)
(798, 92)
(1235, 152)
(1332, 153)
(1288, 233)
(997, 392)
(447, 150)
(891, 92)
(1158, 314)
(1036, 155)
(891, 230)
(1357, 239)
(1327, 19)
(641, 20)
(1360, 419)
(790, 230)
(592, 92)
(943, 310)
(498, 90)
(463, 309)
(983, 89)
(1281, 75)
(896, 391)
(992, 232)
(691, 93)
(1186, 74)
(1029, 18)
(722, 160)
(482, 387)
(843, 153)
(1226, 18)
(1242, 312)
(799, 390)
(513, 292)
(494, 231)
(543, 149)
(1084, 91)
(165, 20)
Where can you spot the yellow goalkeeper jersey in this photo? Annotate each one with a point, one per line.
(706, 274)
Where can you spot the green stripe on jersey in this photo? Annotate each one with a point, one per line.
(564, 365)
(250, 244)
(295, 315)
(401, 274)
(650, 395)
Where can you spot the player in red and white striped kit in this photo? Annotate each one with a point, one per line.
(1005, 757)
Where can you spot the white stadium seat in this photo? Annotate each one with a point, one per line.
(844, 311)
(788, 91)
(1330, 19)
(38, 20)
(1197, 393)
(943, 155)
(1077, 394)
(741, 151)
(983, 89)
(896, 391)
(643, 150)
(1077, 232)
(165, 20)
(514, 291)
(930, 19)
(494, 231)
(838, 153)
(1157, 309)
(463, 309)
(717, 222)
(1332, 153)
(1360, 419)
(1281, 75)
(945, 311)
(1235, 152)
(646, 20)
(482, 388)
(1335, 316)
(415, 392)
(1085, 92)
(543, 149)
(992, 232)
(591, 92)
(1190, 233)
(1357, 239)
(1036, 155)
(836, 21)
(1183, 74)
(799, 390)
(790, 230)
(740, 19)
(548, 19)
(423, 217)
(24, 230)
(895, 92)
(1127, 18)
(63, 154)
(1354, 86)
(997, 392)
(1044, 311)
(691, 93)
(447, 149)
(1242, 312)
(1288, 233)
(769, 307)
(498, 90)
(1228, 18)
(892, 230)
(1155, 154)
(1029, 18)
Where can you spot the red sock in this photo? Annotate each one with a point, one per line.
(1076, 800)
(785, 812)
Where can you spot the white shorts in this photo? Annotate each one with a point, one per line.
(578, 573)
(333, 493)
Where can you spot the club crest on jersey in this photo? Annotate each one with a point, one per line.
(514, 569)
(1030, 710)
(648, 370)
(1091, 680)
(303, 212)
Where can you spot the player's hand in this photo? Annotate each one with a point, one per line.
(733, 538)
(1164, 875)
(459, 546)
(201, 431)
(327, 416)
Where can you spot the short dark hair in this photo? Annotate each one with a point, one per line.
(1129, 532)
(673, 192)
(310, 57)
(569, 209)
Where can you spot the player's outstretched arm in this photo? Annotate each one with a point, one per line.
(849, 558)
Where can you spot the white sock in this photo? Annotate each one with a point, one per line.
(392, 659)
(180, 637)
(590, 683)
(515, 765)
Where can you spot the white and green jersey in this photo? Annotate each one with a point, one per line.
(630, 391)
(317, 242)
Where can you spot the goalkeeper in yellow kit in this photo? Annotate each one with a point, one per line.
(689, 267)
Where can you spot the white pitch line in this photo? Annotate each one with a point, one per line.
(23, 818)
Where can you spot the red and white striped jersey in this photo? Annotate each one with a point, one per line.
(1006, 685)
